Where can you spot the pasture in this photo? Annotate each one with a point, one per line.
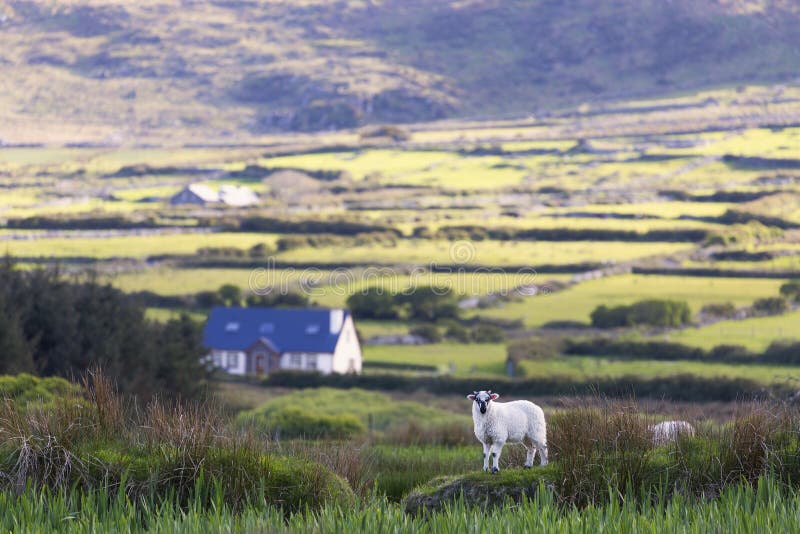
(576, 303)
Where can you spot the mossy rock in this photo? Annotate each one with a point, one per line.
(480, 489)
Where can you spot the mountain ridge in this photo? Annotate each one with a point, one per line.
(253, 67)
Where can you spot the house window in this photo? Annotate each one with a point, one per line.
(296, 360)
(311, 361)
(312, 329)
(232, 360)
(232, 327)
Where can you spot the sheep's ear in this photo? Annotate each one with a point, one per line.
(494, 396)
(471, 396)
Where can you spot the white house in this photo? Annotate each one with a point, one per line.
(257, 341)
(202, 195)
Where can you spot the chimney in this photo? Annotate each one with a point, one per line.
(337, 320)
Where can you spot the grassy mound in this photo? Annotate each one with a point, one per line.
(344, 413)
(480, 489)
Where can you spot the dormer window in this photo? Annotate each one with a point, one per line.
(267, 328)
(312, 329)
(232, 327)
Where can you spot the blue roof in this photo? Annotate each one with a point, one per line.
(288, 330)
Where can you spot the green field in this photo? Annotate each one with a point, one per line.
(490, 253)
(756, 333)
(489, 359)
(131, 246)
(577, 303)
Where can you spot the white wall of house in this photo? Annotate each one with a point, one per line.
(307, 361)
(230, 361)
(347, 355)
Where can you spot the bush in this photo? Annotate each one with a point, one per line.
(277, 299)
(782, 352)
(486, 333)
(373, 303)
(679, 387)
(791, 290)
(770, 306)
(725, 310)
(457, 332)
(427, 331)
(429, 303)
(652, 312)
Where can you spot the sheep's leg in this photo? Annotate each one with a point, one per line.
(485, 457)
(497, 448)
(531, 452)
(543, 453)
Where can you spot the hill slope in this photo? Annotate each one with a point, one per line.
(121, 69)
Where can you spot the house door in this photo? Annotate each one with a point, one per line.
(260, 363)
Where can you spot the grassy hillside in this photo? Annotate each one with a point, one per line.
(223, 69)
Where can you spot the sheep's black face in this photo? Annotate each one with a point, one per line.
(482, 398)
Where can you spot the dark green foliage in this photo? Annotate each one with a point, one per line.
(486, 333)
(429, 303)
(652, 312)
(64, 328)
(308, 226)
(457, 332)
(81, 223)
(477, 233)
(424, 303)
(15, 354)
(208, 299)
(678, 387)
(791, 290)
(427, 331)
(770, 306)
(782, 352)
(278, 299)
(742, 255)
(725, 310)
(230, 294)
(373, 303)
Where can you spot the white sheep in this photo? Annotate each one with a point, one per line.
(498, 423)
(668, 431)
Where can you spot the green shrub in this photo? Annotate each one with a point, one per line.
(373, 303)
(427, 331)
(724, 310)
(25, 388)
(292, 423)
(771, 306)
(457, 332)
(791, 290)
(487, 333)
(652, 312)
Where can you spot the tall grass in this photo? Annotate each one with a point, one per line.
(98, 443)
(768, 506)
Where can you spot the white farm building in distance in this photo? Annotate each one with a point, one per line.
(203, 195)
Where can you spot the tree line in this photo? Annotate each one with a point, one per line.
(54, 326)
